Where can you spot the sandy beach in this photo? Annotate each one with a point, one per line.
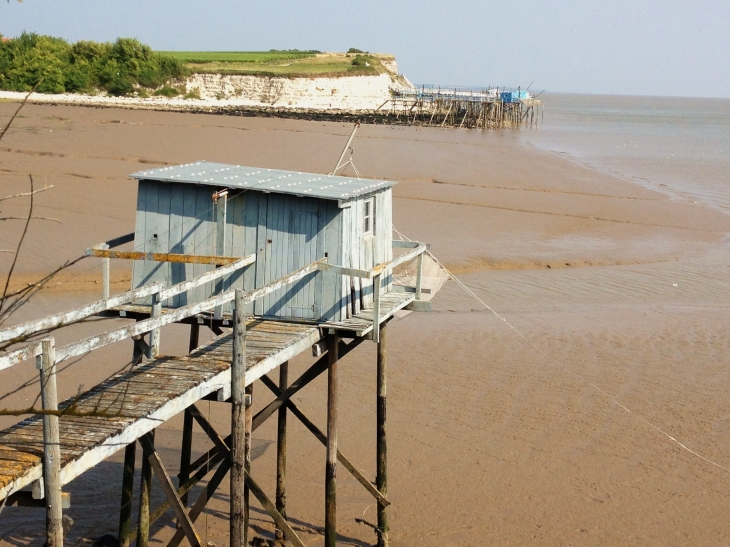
(554, 419)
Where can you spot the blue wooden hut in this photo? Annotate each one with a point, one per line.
(287, 219)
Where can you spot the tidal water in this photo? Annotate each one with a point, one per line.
(676, 145)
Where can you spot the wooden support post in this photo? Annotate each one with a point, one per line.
(194, 337)
(381, 480)
(330, 517)
(125, 513)
(105, 274)
(238, 532)
(46, 363)
(185, 454)
(419, 276)
(154, 349)
(376, 307)
(162, 477)
(145, 495)
(281, 453)
(220, 207)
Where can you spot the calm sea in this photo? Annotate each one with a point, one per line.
(680, 146)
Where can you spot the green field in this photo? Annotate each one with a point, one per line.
(290, 63)
(197, 57)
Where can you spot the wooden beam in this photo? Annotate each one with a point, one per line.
(208, 429)
(238, 509)
(202, 500)
(145, 496)
(281, 450)
(381, 480)
(125, 512)
(68, 317)
(170, 492)
(280, 521)
(142, 327)
(330, 489)
(116, 242)
(162, 257)
(207, 277)
(46, 363)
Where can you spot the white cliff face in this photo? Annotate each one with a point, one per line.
(344, 93)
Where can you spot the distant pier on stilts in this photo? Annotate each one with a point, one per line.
(488, 108)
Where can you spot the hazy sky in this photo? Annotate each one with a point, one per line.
(646, 47)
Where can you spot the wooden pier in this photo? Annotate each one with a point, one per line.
(486, 109)
(44, 452)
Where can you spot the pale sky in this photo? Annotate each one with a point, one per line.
(639, 47)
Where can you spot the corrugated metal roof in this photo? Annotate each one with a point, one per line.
(265, 180)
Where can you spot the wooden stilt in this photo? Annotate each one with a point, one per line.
(238, 532)
(145, 494)
(381, 481)
(185, 453)
(187, 433)
(281, 453)
(248, 423)
(330, 518)
(125, 513)
(46, 362)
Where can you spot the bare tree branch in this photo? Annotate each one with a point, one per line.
(27, 193)
(20, 243)
(22, 104)
(35, 218)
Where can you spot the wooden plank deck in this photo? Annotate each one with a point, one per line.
(135, 401)
(362, 323)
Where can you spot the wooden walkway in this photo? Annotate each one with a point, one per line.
(134, 402)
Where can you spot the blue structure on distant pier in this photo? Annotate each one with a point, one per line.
(514, 96)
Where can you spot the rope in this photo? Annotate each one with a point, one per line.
(564, 367)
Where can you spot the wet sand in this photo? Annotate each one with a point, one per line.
(501, 433)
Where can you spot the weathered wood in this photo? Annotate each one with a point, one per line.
(330, 518)
(238, 521)
(346, 463)
(281, 451)
(125, 512)
(280, 521)
(170, 492)
(202, 500)
(154, 349)
(95, 342)
(66, 318)
(208, 428)
(105, 275)
(116, 242)
(207, 277)
(163, 257)
(145, 495)
(381, 480)
(419, 305)
(376, 308)
(419, 276)
(46, 362)
(185, 454)
(220, 204)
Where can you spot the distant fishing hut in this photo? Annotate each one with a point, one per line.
(275, 263)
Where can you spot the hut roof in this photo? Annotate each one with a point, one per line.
(266, 180)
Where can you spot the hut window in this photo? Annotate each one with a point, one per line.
(368, 216)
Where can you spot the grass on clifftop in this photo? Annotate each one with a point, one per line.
(289, 64)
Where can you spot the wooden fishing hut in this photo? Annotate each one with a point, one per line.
(275, 263)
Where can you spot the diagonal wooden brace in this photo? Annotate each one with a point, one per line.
(310, 374)
(208, 429)
(269, 507)
(170, 492)
(202, 500)
(323, 439)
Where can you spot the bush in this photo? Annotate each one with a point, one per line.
(355, 50)
(168, 91)
(117, 68)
